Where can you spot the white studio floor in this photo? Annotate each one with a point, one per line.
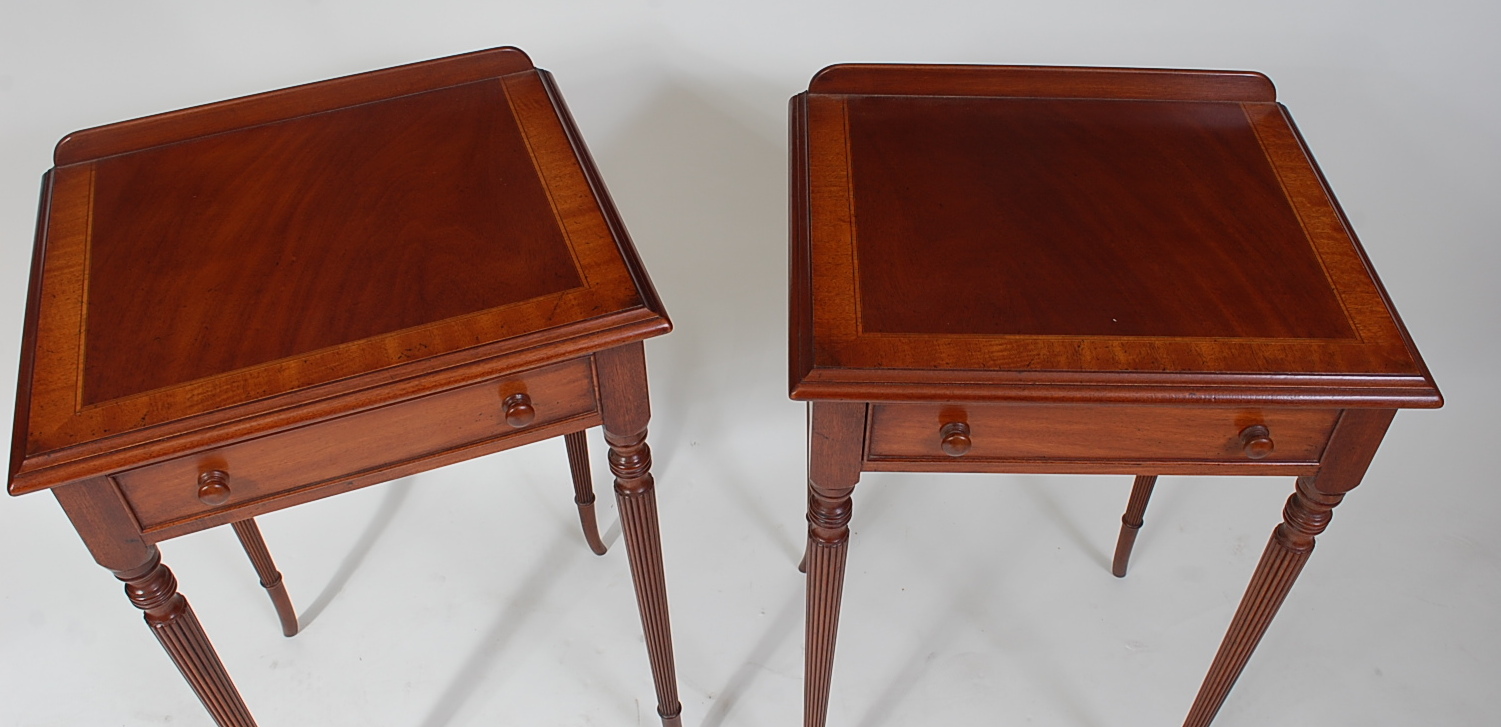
(466, 596)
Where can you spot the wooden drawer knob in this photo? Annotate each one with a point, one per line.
(1256, 441)
(954, 438)
(213, 487)
(519, 410)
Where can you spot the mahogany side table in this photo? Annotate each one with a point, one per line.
(1076, 270)
(253, 304)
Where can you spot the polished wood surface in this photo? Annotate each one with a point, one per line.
(1131, 522)
(287, 103)
(1307, 514)
(583, 489)
(1075, 270)
(283, 284)
(626, 411)
(835, 434)
(175, 251)
(1039, 433)
(1114, 249)
(273, 466)
(153, 589)
(245, 306)
(250, 538)
(1191, 253)
(1158, 84)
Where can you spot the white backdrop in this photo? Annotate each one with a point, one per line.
(465, 596)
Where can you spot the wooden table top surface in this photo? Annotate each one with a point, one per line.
(1076, 234)
(243, 257)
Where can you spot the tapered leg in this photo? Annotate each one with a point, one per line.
(153, 589)
(1141, 492)
(1307, 514)
(260, 557)
(835, 431)
(583, 488)
(1351, 447)
(828, 544)
(625, 411)
(103, 519)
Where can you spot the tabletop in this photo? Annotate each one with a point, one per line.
(292, 256)
(1048, 234)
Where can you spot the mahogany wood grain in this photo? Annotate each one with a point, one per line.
(1078, 270)
(228, 514)
(288, 103)
(596, 185)
(962, 190)
(269, 466)
(1038, 253)
(70, 432)
(1001, 432)
(1136, 508)
(835, 435)
(249, 305)
(265, 568)
(103, 519)
(626, 410)
(419, 253)
(583, 488)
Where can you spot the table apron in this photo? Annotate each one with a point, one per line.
(307, 463)
(1039, 438)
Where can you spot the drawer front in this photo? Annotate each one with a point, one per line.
(1033, 433)
(370, 440)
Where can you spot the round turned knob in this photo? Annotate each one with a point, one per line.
(213, 487)
(1256, 441)
(954, 438)
(519, 410)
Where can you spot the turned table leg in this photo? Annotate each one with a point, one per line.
(265, 568)
(625, 411)
(835, 432)
(108, 527)
(1136, 507)
(1308, 511)
(153, 589)
(583, 488)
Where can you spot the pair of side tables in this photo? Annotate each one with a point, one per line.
(245, 306)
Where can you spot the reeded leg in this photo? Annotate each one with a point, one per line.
(835, 431)
(828, 544)
(1307, 514)
(1308, 511)
(103, 519)
(624, 408)
(583, 488)
(1141, 492)
(260, 557)
(153, 589)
